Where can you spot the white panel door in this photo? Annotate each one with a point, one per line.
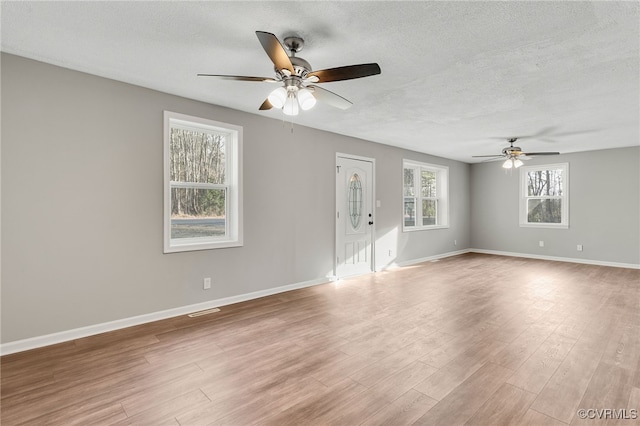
(354, 216)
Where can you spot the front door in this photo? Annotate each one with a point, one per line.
(354, 216)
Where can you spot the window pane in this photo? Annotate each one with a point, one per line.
(197, 156)
(544, 210)
(409, 211)
(355, 200)
(409, 186)
(544, 182)
(197, 212)
(428, 184)
(429, 212)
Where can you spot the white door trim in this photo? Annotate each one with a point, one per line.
(374, 206)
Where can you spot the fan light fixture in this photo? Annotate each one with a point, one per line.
(512, 162)
(278, 97)
(291, 104)
(292, 99)
(306, 99)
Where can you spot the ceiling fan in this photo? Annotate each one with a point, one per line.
(298, 90)
(514, 155)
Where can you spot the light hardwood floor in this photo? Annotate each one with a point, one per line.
(472, 339)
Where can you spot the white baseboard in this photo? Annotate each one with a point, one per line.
(558, 259)
(77, 333)
(424, 259)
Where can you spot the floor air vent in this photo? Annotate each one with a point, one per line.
(205, 312)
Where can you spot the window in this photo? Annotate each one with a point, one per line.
(425, 196)
(202, 184)
(544, 196)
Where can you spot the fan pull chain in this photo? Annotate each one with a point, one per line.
(291, 122)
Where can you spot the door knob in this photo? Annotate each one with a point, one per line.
(370, 222)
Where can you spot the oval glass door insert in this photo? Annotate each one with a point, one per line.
(355, 200)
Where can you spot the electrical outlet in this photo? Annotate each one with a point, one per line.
(579, 247)
(207, 283)
(541, 243)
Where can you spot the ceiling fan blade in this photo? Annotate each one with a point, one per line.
(480, 156)
(265, 105)
(577, 132)
(552, 132)
(508, 138)
(488, 160)
(276, 52)
(346, 73)
(240, 78)
(547, 134)
(530, 154)
(329, 97)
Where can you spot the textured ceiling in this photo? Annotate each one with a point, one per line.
(456, 76)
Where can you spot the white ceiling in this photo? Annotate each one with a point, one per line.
(455, 75)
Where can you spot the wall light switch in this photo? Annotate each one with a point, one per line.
(207, 283)
(579, 247)
(541, 243)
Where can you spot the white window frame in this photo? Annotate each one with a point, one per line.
(442, 200)
(524, 197)
(232, 186)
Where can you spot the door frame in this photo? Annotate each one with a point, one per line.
(374, 205)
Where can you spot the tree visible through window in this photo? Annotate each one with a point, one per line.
(409, 197)
(202, 180)
(544, 200)
(197, 157)
(429, 197)
(425, 195)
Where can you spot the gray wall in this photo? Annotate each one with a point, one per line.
(82, 204)
(604, 206)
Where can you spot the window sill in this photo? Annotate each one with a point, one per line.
(423, 228)
(177, 248)
(545, 225)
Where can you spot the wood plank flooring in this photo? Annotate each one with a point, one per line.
(468, 340)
